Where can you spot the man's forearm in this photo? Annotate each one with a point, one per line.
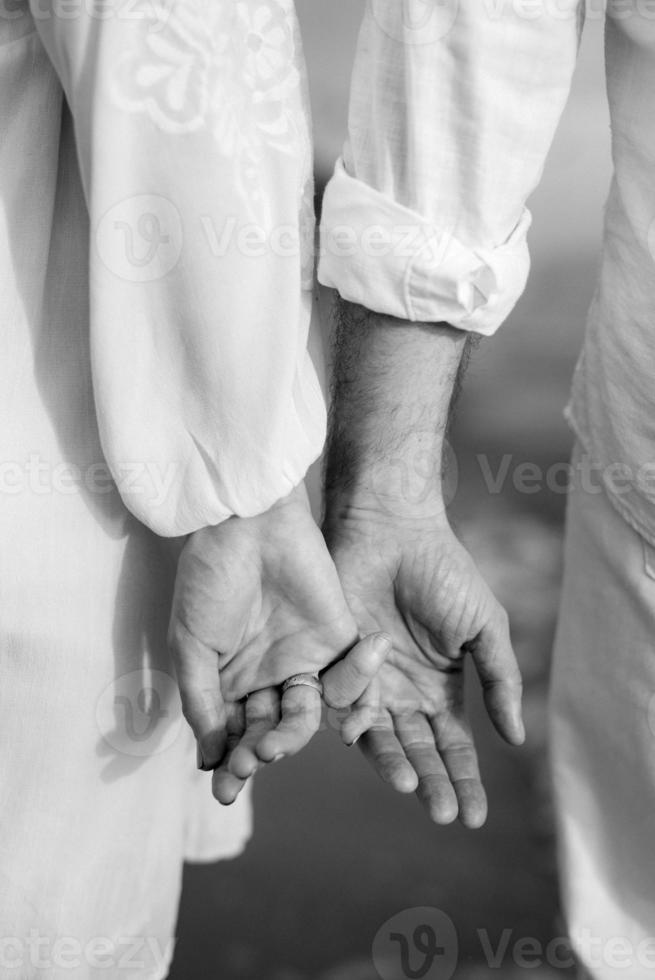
(393, 387)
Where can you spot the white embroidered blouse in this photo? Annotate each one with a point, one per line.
(192, 134)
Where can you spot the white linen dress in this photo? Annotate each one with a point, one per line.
(156, 233)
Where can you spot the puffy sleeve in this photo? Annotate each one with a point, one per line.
(454, 104)
(191, 130)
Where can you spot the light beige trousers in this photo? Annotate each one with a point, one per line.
(603, 738)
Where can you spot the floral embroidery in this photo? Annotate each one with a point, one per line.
(268, 56)
(167, 74)
(229, 66)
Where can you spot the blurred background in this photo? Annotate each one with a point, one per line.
(335, 854)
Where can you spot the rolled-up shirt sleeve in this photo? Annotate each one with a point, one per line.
(454, 104)
(191, 131)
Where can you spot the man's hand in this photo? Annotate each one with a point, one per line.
(414, 580)
(402, 568)
(256, 601)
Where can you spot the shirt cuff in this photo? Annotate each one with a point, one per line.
(388, 258)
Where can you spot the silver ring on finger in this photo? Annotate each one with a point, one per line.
(303, 680)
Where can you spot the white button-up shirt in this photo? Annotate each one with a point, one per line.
(454, 106)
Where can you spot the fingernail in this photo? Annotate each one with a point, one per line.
(276, 758)
(354, 741)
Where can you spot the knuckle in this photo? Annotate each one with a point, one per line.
(388, 760)
(417, 743)
(502, 619)
(517, 680)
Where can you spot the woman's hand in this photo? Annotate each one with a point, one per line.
(271, 724)
(256, 601)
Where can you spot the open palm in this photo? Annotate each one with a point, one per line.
(419, 584)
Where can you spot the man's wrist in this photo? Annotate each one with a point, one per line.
(411, 484)
(393, 387)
